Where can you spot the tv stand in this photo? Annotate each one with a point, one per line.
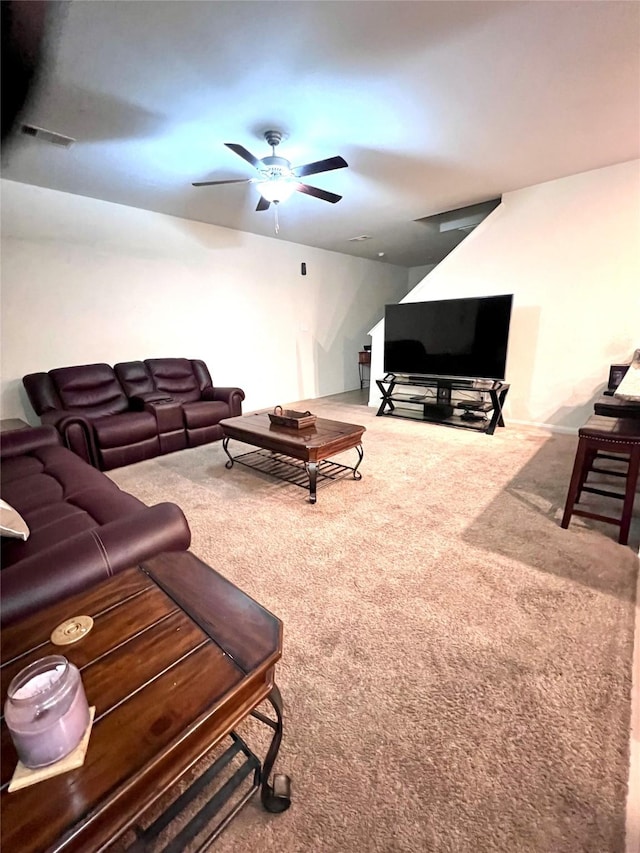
(462, 402)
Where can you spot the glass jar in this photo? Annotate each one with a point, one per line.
(46, 711)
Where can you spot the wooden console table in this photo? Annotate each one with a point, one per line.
(178, 656)
(364, 367)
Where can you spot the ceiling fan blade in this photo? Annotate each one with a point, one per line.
(320, 166)
(242, 152)
(325, 195)
(218, 183)
(263, 204)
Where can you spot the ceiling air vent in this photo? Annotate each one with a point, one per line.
(358, 239)
(47, 135)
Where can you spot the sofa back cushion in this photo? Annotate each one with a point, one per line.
(181, 378)
(135, 378)
(94, 388)
(41, 392)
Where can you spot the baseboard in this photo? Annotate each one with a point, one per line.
(563, 430)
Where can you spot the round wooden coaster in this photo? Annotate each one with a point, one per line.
(71, 630)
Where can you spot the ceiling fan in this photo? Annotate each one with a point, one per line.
(278, 179)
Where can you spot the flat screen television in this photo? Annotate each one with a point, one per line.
(454, 338)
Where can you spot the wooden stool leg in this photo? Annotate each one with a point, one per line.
(629, 495)
(589, 458)
(577, 480)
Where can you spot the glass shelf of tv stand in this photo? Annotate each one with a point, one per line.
(465, 403)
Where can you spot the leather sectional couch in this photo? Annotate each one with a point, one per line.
(114, 416)
(83, 528)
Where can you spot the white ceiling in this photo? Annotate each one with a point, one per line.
(434, 105)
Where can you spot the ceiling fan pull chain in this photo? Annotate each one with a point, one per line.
(277, 229)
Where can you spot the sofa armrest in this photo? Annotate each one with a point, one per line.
(128, 541)
(90, 557)
(20, 441)
(232, 396)
(76, 431)
(56, 417)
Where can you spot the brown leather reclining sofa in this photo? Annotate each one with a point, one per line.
(114, 416)
(83, 528)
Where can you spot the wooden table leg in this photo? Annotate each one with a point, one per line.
(312, 470)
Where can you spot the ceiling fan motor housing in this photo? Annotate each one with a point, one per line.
(273, 137)
(275, 167)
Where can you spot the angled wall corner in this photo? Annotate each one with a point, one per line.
(568, 251)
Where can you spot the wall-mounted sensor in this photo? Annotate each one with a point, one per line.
(303, 269)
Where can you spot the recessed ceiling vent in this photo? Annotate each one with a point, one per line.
(358, 239)
(461, 219)
(47, 135)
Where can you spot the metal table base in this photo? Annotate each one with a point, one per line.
(224, 787)
(303, 474)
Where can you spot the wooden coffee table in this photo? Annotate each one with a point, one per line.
(177, 657)
(312, 446)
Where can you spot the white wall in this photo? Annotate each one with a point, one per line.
(416, 274)
(89, 281)
(569, 251)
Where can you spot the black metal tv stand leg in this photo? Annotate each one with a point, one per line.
(277, 797)
(386, 395)
(501, 398)
(497, 400)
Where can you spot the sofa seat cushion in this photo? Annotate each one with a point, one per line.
(204, 413)
(121, 430)
(51, 523)
(19, 467)
(54, 522)
(84, 528)
(59, 496)
(47, 475)
(60, 522)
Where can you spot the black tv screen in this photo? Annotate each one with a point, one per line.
(448, 337)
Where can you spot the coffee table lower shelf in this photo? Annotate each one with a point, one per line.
(222, 788)
(230, 782)
(296, 471)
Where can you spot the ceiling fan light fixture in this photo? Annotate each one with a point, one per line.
(276, 190)
(278, 180)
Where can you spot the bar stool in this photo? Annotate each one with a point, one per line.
(600, 437)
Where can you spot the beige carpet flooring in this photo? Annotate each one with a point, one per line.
(456, 668)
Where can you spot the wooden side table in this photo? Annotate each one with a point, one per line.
(364, 367)
(177, 657)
